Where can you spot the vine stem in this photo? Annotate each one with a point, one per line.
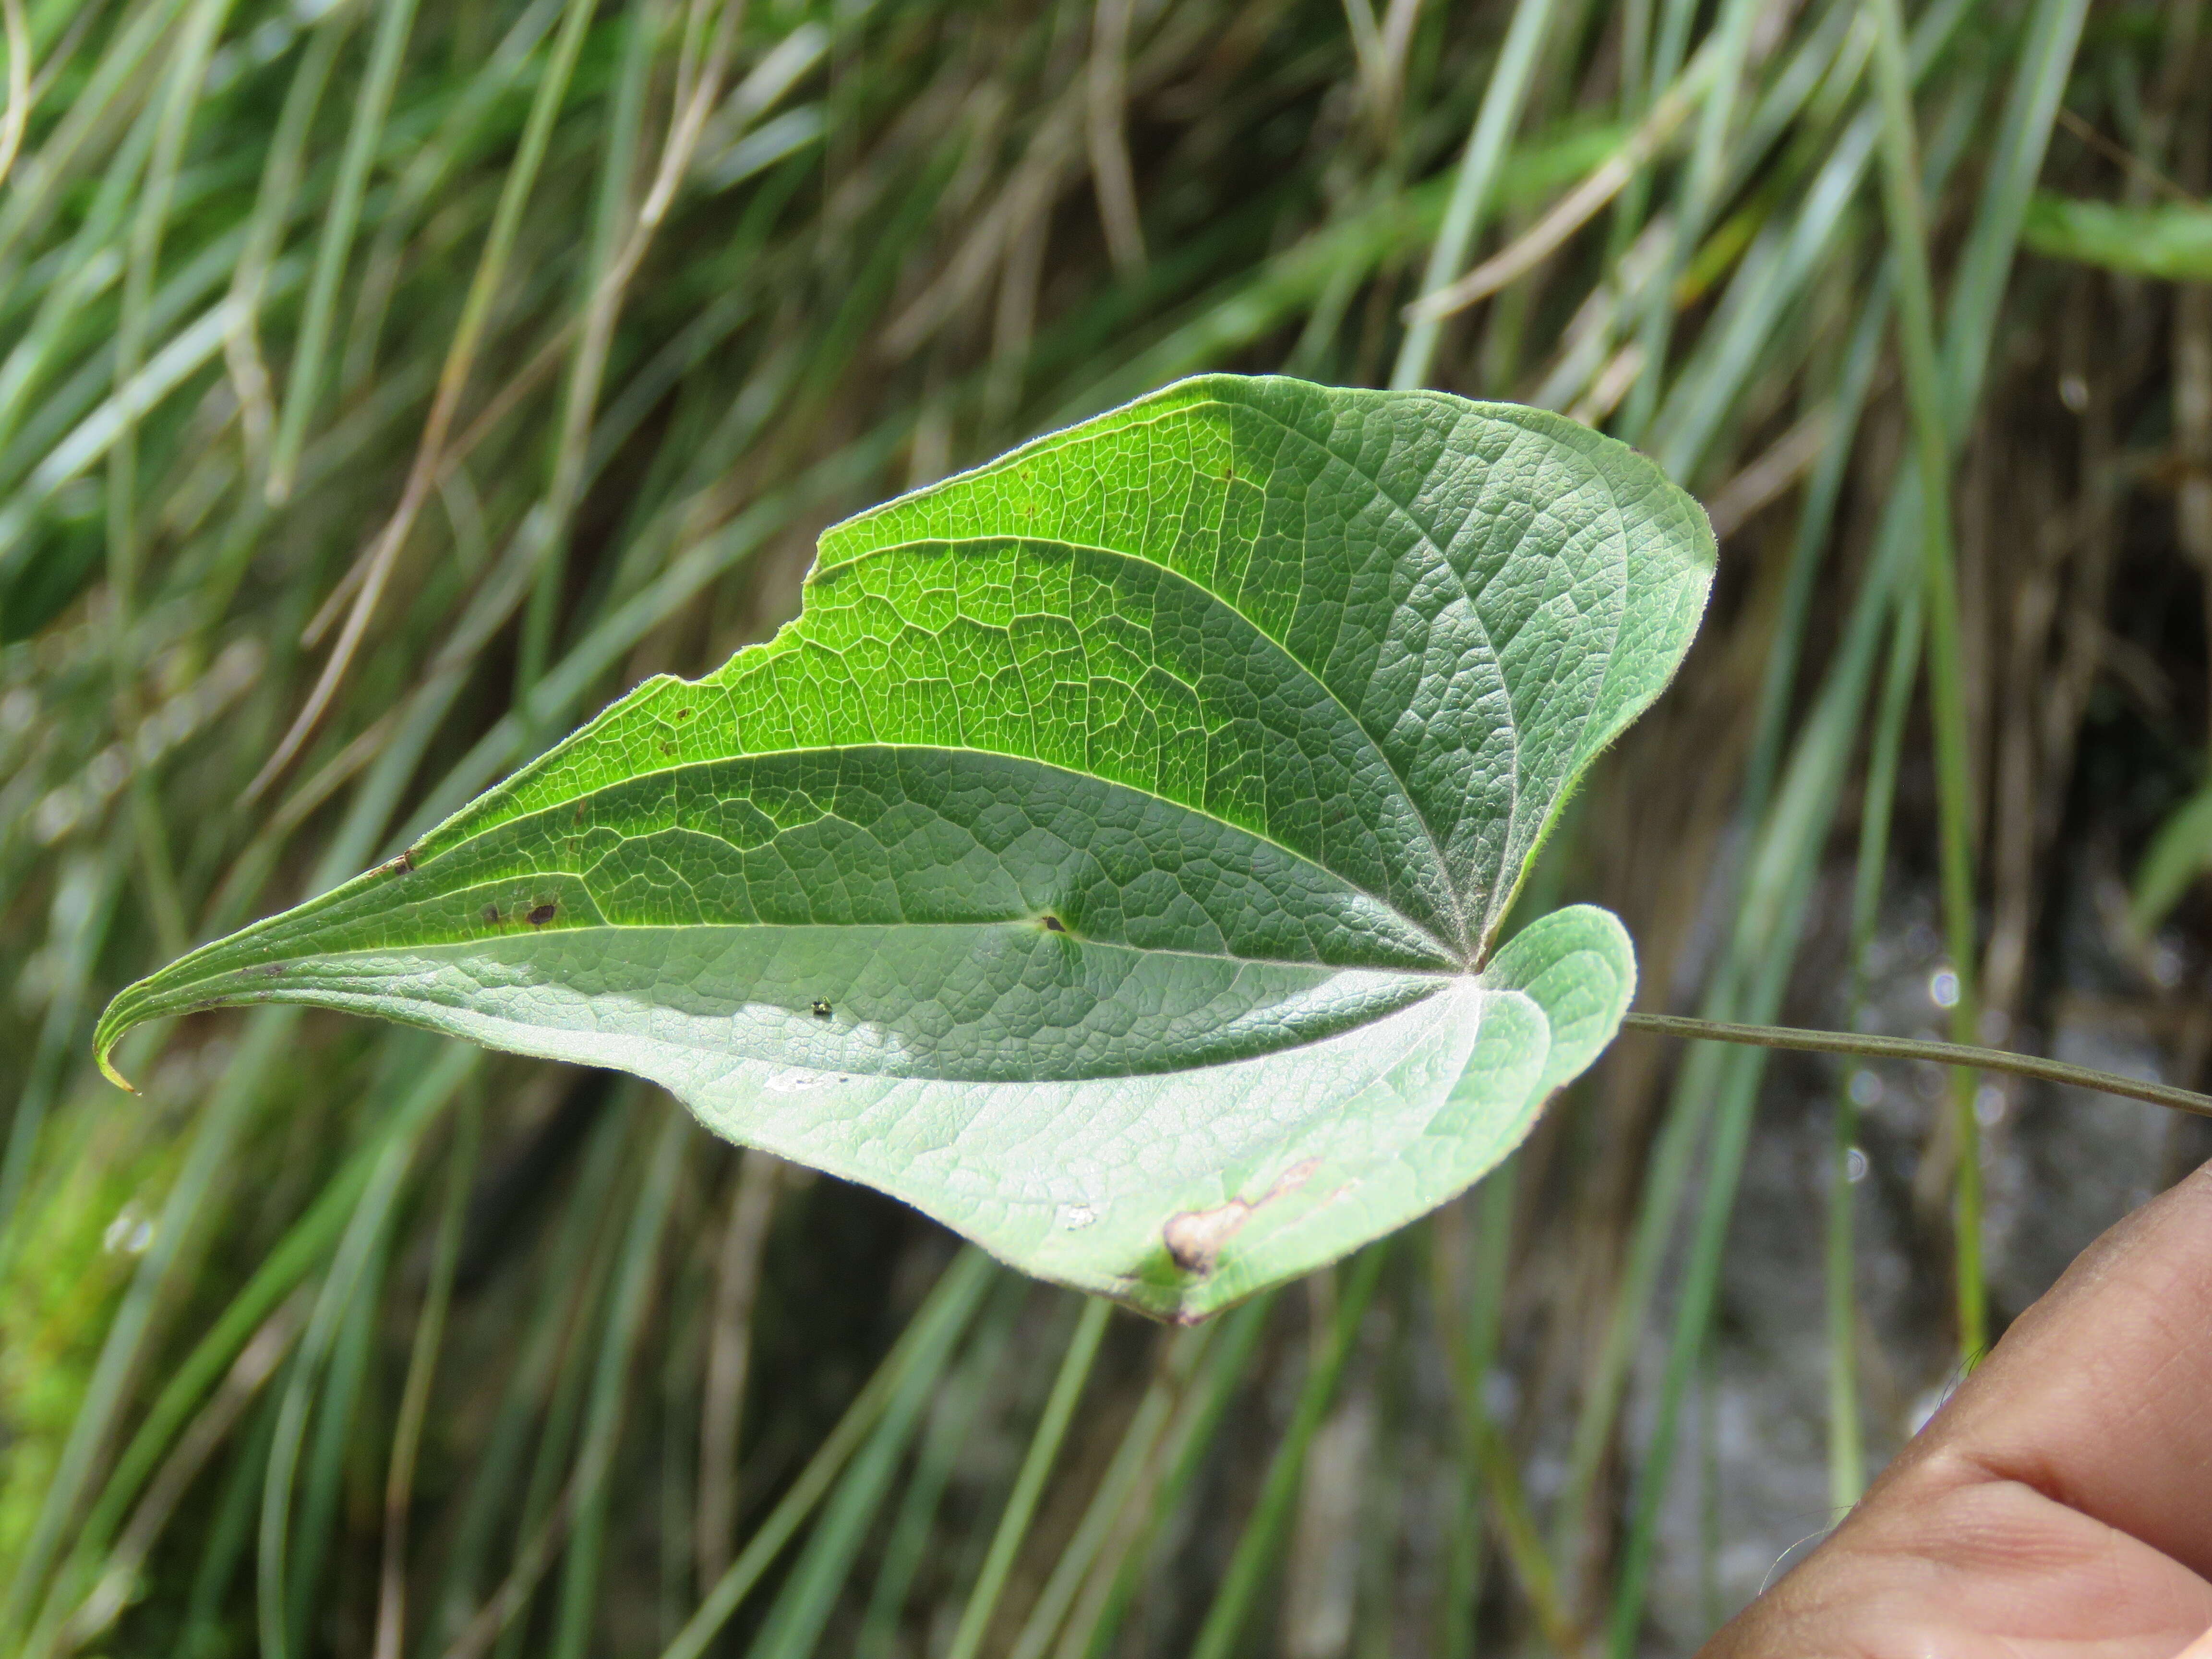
(1942, 1053)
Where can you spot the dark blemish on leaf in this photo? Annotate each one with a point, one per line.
(683, 713)
(491, 915)
(1196, 1238)
(667, 748)
(404, 865)
(821, 1009)
(274, 968)
(1053, 925)
(542, 915)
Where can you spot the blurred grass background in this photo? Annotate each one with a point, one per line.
(385, 386)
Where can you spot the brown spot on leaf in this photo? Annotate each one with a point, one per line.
(1194, 1237)
(683, 713)
(1053, 925)
(491, 915)
(544, 913)
(274, 968)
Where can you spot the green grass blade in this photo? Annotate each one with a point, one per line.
(1846, 1450)
(1133, 1554)
(1029, 1484)
(334, 246)
(1476, 180)
(921, 1353)
(1224, 1625)
(1908, 238)
(105, 1396)
(952, 1420)
(352, 1277)
(616, 1359)
(414, 1392)
(1111, 1505)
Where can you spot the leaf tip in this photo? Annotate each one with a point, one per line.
(103, 1049)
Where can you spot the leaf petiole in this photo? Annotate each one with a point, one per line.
(1942, 1053)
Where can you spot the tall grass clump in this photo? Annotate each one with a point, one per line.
(385, 386)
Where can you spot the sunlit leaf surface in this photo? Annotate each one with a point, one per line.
(1109, 859)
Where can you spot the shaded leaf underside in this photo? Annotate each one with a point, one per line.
(1108, 859)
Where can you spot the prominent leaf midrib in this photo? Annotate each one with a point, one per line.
(567, 930)
(1450, 952)
(318, 997)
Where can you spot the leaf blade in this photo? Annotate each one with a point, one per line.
(1108, 858)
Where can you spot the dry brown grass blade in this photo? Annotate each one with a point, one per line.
(431, 460)
(18, 115)
(1029, 193)
(1106, 133)
(1571, 212)
(256, 1363)
(1765, 478)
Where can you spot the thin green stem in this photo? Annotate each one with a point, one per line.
(1941, 1054)
(952, 1418)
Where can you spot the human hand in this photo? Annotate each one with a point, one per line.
(2061, 1501)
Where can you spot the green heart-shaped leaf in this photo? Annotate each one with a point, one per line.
(1107, 860)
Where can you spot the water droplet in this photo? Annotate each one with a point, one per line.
(1989, 1105)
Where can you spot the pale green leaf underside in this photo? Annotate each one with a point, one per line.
(1107, 862)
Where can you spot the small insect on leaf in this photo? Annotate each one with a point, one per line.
(821, 1009)
(1054, 925)
(542, 914)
